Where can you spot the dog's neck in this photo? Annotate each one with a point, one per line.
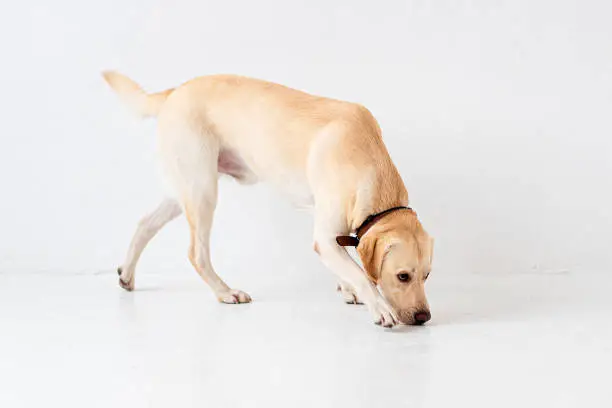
(383, 191)
(369, 222)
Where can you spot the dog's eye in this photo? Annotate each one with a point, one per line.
(403, 277)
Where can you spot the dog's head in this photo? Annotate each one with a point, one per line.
(397, 253)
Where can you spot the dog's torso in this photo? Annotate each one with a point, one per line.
(294, 140)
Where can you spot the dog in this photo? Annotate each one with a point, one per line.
(325, 154)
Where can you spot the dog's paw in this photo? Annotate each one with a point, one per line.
(383, 315)
(125, 284)
(348, 294)
(234, 296)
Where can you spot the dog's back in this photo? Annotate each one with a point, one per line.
(268, 127)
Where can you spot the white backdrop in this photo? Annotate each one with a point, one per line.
(497, 114)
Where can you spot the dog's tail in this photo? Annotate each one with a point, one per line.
(142, 103)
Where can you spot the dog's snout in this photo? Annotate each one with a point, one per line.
(422, 316)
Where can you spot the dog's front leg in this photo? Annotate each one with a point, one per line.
(340, 262)
(348, 293)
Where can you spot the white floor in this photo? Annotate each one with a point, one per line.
(503, 341)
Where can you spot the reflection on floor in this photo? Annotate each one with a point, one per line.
(494, 341)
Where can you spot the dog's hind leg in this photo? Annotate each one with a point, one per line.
(190, 157)
(150, 225)
(199, 209)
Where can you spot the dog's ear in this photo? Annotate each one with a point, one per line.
(372, 252)
(366, 250)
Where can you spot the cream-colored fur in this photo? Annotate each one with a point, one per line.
(323, 153)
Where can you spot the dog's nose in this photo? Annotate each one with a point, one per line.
(421, 316)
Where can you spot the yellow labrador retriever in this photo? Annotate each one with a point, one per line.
(325, 153)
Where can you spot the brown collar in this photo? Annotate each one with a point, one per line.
(353, 240)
